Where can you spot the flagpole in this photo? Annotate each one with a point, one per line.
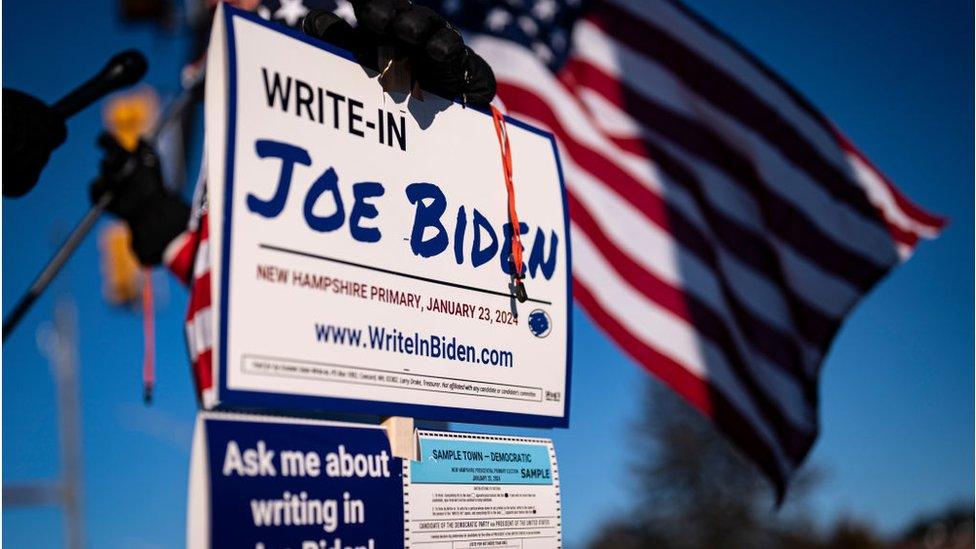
(54, 266)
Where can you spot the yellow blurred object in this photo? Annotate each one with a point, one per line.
(120, 269)
(129, 115)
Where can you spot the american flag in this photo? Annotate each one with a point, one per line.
(722, 226)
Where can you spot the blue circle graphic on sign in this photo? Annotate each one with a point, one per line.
(539, 323)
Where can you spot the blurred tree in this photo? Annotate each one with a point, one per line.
(953, 528)
(695, 491)
(848, 534)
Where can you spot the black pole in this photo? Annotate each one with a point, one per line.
(55, 264)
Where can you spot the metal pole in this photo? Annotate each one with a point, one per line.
(59, 344)
(69, 420)
(55, 264)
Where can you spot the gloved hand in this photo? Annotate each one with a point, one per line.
(439, 60)
(154, 214)
(31, 130)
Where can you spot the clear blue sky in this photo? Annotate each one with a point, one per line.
(897, 387)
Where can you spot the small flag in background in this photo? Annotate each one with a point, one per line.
(126, 116)
(721, 226)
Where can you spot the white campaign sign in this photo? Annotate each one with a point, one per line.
(360, 243)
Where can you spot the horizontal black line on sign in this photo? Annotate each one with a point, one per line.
(394, 273)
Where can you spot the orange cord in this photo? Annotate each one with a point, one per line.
(502, 131)
(149, 336)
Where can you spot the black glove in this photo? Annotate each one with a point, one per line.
(154, 214)
(31, 130)
(440, 61)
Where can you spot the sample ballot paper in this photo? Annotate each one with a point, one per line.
(472, 491)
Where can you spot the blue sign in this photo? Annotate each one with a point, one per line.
(302, 486)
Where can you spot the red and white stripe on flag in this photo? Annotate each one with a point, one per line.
(722, 227)
(188, 257)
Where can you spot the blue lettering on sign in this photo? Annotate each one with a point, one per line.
(460, 223)
(428, 235)
(427, 216)
(507, 246)
(481, 255)
(362, 209)
(299, 486)
(326, 183)
(289, 155)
